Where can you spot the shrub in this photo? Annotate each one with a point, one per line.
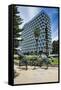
(34, 60)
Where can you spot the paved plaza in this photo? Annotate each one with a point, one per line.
(38, 75)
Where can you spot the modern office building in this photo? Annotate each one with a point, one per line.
(41, 21)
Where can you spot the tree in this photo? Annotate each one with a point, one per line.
(46, 38)
(16, 22)
(36, 34)
(55, 47)
(23, 60)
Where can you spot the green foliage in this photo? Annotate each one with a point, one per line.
(54, 61)
(31, 57)
(36, 32)
(21, 57)
(16, 58)
(16, 22)
(34, 60)
(55, 47)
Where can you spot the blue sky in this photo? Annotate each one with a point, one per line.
(27, 13)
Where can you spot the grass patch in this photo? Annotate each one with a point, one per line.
(54, 61)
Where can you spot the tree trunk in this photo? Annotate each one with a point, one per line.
(26, 67)
(36, 46)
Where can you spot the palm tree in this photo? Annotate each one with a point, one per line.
(46, 37)
(36, 34)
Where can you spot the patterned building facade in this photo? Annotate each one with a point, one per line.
(41, 21)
